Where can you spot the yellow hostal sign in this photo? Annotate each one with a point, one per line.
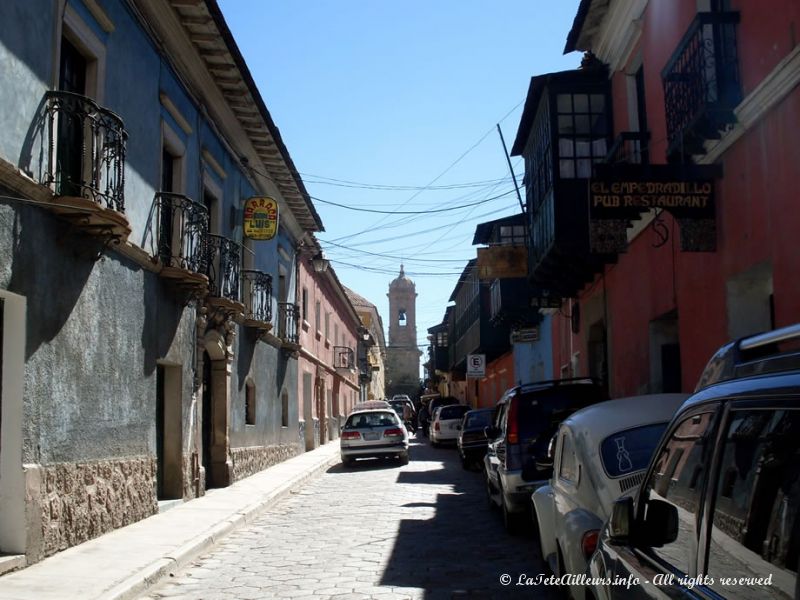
(260, 218)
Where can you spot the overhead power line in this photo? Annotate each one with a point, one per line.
(411, 212)
(318, 179)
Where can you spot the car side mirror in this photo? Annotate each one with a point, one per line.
(491, 433)
(620, 521)
(660, 524)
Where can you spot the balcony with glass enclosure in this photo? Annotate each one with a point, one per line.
(564, 131)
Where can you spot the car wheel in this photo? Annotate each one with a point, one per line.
(511, 521)
(465, 464)
(347, 461)
(489, 496)
(404, 458)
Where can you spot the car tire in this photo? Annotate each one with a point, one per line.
(511, 521)
(489, 496)
(347, 461)
(464, 463)
(403, 458)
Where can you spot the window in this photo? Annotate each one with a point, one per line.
(582, 133)
(327, 325)
(318, 317)
(304, 305)
(284, 408)
(568, 467)
(629, 451)
(401, 317)
(512, 235)
(756, 530)
(678, 478)
(250, 403)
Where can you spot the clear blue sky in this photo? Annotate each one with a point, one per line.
(401, 94)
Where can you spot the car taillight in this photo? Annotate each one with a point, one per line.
(393, 433)
(589, 542)
(513, 425)
(436, 426)
(350, 435)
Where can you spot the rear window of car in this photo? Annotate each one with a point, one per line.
(630, 450)
(452, 412)
(478, 419)
(371, 419)
(541, 412)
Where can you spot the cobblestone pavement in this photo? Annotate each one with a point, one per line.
(376, 530)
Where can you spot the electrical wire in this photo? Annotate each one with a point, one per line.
(412, 212)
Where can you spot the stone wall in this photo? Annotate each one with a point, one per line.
(80, 501)
(250, 460)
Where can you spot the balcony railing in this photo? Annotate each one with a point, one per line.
(257, 296)
(630, 147)
(701, 83)
(224, 260)
(181, 230)
(85, 150)
(344, 358)
(288, 318)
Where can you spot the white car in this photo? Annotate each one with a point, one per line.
(373, 433)
(600, 453)
(446, 423)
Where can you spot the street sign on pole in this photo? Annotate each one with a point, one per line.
(476, 365)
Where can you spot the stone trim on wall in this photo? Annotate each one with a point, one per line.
(252, 459)
(80, 501)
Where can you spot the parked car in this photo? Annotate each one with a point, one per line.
(399, 404)
(600, 452)
(472, 437)
(373, 433)
(445, 424)
(721, 495)
(371, 404)
(525, 419)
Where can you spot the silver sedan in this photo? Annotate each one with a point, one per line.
(373, 434)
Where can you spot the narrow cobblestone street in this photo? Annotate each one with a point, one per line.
(376, 530)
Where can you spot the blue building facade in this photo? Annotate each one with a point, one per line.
(148, 346)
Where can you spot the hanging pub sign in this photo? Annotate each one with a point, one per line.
(619, 194)
(260, 218)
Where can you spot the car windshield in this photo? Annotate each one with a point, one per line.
(540, 412)
(371, 419)
(478, 419)
(630, 450)
(452, 412)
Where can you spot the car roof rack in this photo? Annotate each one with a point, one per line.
(753, 355)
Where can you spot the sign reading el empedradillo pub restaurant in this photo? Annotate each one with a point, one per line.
(260, 218)
(619, 194)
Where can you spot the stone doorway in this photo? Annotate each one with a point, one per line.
(216, 403)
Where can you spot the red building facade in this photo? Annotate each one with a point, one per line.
(690, 83)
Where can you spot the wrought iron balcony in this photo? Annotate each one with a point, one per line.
(701, 83)
(257, 299)
(344, 358)
(83, 163)
(224, 266)
(85, 150)
(631, 147)
(288, 318)
(181, 229)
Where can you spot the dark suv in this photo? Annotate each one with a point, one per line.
(524, 421)
(717, 513)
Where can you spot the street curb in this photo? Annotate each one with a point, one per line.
(151, 575)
